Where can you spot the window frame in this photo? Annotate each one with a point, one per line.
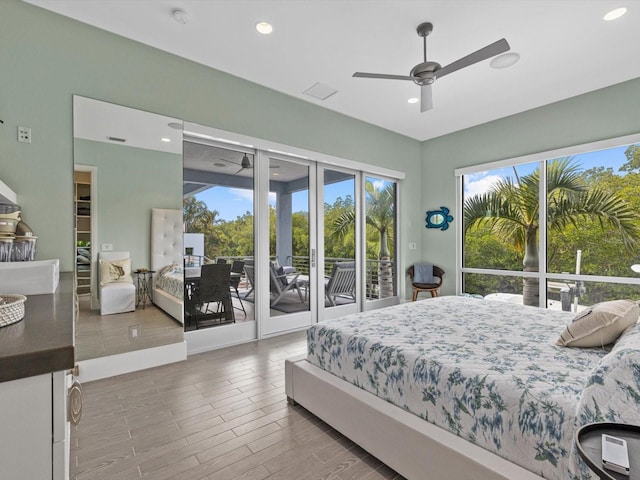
(541, 158)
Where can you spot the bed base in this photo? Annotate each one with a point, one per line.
(170, 304)
(411, 446)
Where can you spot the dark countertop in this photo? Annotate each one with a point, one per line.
(42, 342)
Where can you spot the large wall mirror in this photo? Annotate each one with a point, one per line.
(128, 164)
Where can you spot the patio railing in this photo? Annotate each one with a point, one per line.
(301, 264)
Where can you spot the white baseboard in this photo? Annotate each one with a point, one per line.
(112, 365)
(200, 341)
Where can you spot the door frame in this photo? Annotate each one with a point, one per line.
(280, 324)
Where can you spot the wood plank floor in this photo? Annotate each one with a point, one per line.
(219, 415)
(99, 336)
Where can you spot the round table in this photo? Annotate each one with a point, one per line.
(589, 444)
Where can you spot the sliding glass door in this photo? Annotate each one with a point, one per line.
(219, 239)
(381, 273)
(291, 262)
(339, 272)
(304, 240)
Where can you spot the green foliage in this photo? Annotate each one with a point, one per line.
(633, 159)
(235, 237)
(596, 211)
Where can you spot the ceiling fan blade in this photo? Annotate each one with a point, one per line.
(496, 48)
(426, 98)
(384, 76)
(239, 170)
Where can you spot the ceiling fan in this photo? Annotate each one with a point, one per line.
(245, 164)
(425, 73)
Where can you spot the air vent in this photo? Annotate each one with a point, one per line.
(320, 91)
(116, 139)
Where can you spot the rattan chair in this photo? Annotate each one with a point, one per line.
(433, 288)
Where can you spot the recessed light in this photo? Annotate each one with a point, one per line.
(219, 165)
(505, 60)
(264, 28)
(274, 174)
(413, 100)
(614, 14)
(175, 125)
(165, 139)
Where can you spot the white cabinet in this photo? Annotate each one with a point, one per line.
(33, 428)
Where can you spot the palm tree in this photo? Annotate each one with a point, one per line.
(380, 214)
(510, 210)
(197, 217)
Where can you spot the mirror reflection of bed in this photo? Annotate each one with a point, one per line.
(131, 171)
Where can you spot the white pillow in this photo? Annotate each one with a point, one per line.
(112, 271)
(600, 325)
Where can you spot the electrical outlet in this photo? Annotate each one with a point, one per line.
(107, 247)
(134, 332)
(412, 246)
(24, 134)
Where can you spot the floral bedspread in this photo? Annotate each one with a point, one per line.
(487, 371)
(171, 280)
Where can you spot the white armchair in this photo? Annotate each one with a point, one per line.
(117, 291)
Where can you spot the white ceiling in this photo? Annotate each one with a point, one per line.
(104, 122)
(566, 49)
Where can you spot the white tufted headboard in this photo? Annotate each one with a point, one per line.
(166, 237)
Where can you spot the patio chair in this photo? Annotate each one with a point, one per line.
(249, 270)
(281, 283)
(341, 282)
(237, 267)
(213, 287)
(433, 286)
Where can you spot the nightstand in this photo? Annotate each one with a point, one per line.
(589, 444)
(143, 291)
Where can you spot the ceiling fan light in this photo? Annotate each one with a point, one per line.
(264, 28)
(505, 60)
(614, 14)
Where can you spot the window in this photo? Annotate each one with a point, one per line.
(380, 211)
(580, 241)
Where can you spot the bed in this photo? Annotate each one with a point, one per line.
(167, 261)
(456, 387)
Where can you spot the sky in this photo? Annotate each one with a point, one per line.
(234, 202)
(479, 183)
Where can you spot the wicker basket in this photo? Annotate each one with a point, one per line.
(11, 309)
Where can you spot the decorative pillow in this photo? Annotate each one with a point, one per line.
(600, 325)
(166, 269)
(282, 276)
(115, 271)
(630, 339)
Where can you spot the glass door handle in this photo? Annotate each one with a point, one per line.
(313, 258)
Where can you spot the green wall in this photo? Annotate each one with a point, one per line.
(607, 113)
(46, 58)
(152, 180)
